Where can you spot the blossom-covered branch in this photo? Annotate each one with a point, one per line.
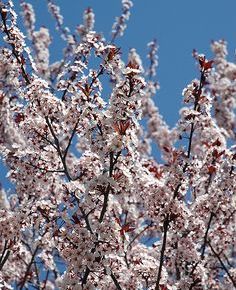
(89, 206)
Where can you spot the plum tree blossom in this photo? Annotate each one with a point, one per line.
(90, 206)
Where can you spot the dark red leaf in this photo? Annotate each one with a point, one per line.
(216, 143)
(19, 117)
(211, 169)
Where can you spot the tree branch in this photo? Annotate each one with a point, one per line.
(222, 264)
(206, 236)
(163, 247)
(28, 269)
(113, 161)
(5, 255)
(58, 148)
(14, 51)
(117, 284)
(167, 219)
(85, 277)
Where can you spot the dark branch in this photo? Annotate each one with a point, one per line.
(58, 148)
(14, 51)
(5, 255)
(85, 277)
(28, 269)
(115, 281)
(222, 264)
(176, 191)
(206, 236)
(163, 247)
(113, 161)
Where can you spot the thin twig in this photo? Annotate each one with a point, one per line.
(70, 140)
(139, 234)
(100, 72)
(117, 284)
(44, 169)
(14, 51)
(37, 274)
(176, 191)
(85, 216)
(72, 78)
(63, 160)
(85, 277)
(5, 259)
(105, 202)
(206, 236)
(222, 264)
(163, 247)
(113, 161)
(46, 139)
(3, 251)
(5, 255)
(46, 279)
(28, 269)
(133, 240)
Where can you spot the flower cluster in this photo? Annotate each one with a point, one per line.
(119, 26)
(89, 205)
(222, 85)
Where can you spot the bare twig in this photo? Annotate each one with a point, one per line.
(100, 72)
(37, 274)
(133, 240)
(117, 284)
(139, 234)
(206, 236)
(163, 247)
(85, 216)
(46, 279)
(85, 277)
(70, 140)
(5, 255)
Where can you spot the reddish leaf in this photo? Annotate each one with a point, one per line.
(126, 229)
(19, 117)
(132, 65)
(118, 221)
(205, 64)
(208, 64)
(166, 149)
(121, 126)
(85, 90)
(112, 53)
(217, 154)
(157, 172)
(75, 218)
(211, 169)
(216, 143)
(137, 262)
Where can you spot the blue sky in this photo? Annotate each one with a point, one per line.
(179, 27)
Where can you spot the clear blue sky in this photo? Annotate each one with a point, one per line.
(178, 25)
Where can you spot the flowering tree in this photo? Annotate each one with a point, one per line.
(91, 208)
